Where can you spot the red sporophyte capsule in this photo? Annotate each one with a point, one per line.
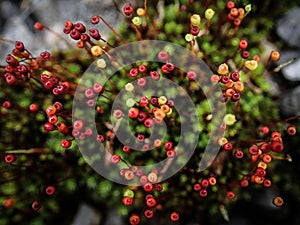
(227, 146)
(12, 60)
(95, 34)
(45, 55)
(85, 37)
(50, 190)
(267, 158)
(245, 54)
(151, 202)
(275, 56)
(230, 195)
(128, 9)
(78, 124)
(142, 116)
(291, 130)
(267, 183)
(239, 154)
(215, 78)
(174, 216)
(148, 186)
(50, 110)
(38, 26)
(212, 181)
(52, 119)
(203, 193)
(58, 106)
(260, 172)
(154, 75)
(68, 24)
(230, 4)
(275, 134)
(144, 101)
(234, 12)
(36, 206)
(75, 34)
(9, 203)
(66, 143)
(126, 149)
(148, 122)
(171, 153)
(197, 187)
(277, 146)
(95, 19)
(89, 93)
(192, 75)
(140, 137)
(163, 56)
(9, 158)
(235, 76)
(205, 183)
(265, 129)
(142, 68)
(80, 27)
(244, 183)
(7, 104)
(168, 145)
(253, 150)
(235, 97)
(265, 147)
(115, 159)
(133, 72)
(134, 219)
(133, 113)
(20, 46)
(127, 200)
(49, 127)
(194, 30)
(148, 213)
(243, 44)
(10, 79)
(118, 114)
(141, 82)
(100, 138)
(225, 79)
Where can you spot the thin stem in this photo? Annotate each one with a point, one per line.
(112, 29)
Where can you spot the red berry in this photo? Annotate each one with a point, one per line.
(10, 158)
(50, 190)
(174, 216)
(66, 143)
